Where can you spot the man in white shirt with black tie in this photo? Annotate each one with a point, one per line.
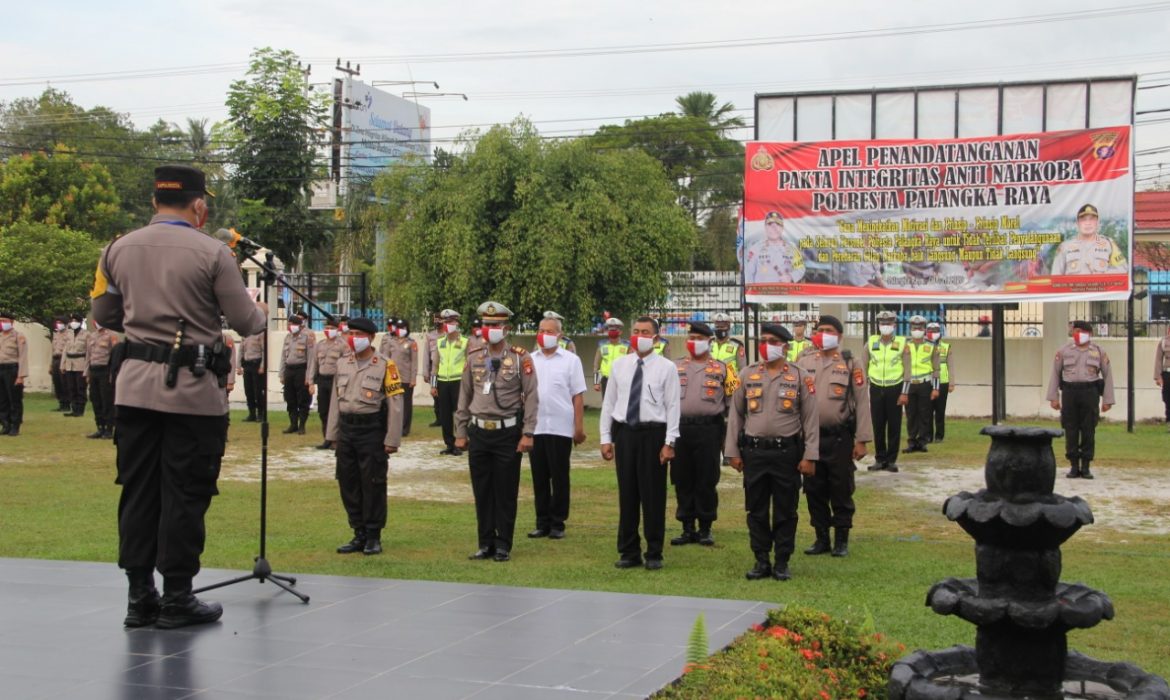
(639, 425)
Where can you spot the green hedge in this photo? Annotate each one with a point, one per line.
(797, 654)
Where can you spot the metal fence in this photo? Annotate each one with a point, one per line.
(336, 293)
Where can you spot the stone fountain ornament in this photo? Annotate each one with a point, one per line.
(1021, 609)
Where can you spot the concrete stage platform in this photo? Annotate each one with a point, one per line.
(61, 637)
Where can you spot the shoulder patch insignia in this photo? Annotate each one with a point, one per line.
(526, 364)
(858, 377)
(519, 350)
(812, 386)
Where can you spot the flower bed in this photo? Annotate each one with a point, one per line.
(797, 654)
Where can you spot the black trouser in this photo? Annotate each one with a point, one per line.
(829, 492)
(445, 404)
(550, 459)
(168, 464)
(641, 488)
(919, 414)
(495, 481)
(771, 481)
(11, 397)
(75, 387)
(695, 472)
(296, 394)
(101, 395)
(59, 391)
(1166, 393)
(253, 391)
(407, 408)
(1079, 411)
(887, 421)
(324, 397)
(362, 464)
(939, 408)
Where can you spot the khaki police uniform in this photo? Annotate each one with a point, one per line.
(426, 370)
(498, 403)
(1081, 380)
(705, 389)
(73, 369)
(1096, 255)
(883, 363)
(842, 399)
(251, 355)
(295, 355)
(322, 369)
(920, 369)
(99, 345)
(404, 353)
(1162, 370)
(13, 367)
(773, 425)
(60, 337)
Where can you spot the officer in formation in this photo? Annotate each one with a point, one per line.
(397, 345)
(661, 347)
(946, 384)
(99, 345)
(448, 360)
(800, 342)
(428, 351)
(705, 387)
(364, 426)
(1162, 370)
(1088, 253)
(730, 351)
(773, 437)
(920, 385)
(565, 341)
(1081, 376)
(476, 341)
(251, 370)
(882, 358)
(608, 351)
(842, 399)
(772, 259)
(496, 421)
(13, 372)
(60, 337)
(322, 370)
(73, 365)
(294, 367)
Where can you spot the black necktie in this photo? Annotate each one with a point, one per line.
(634, 408)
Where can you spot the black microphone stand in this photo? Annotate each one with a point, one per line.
(262, 571)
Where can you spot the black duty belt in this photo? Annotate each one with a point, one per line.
(253, 362)
(834, 432)
(326, 376)
(759, 443)
(1079, 385)
(641, 426)
(74, 355)
(9, 365)
(295, 366)
(700, 420)
(161, 353)
(357, 419)
(99, 368)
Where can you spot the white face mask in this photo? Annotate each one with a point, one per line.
(917, 334)
(75, 325)
(548, 341)
(830, 341)
(294, 329)
(61, 327)
(643, 344)
(886, 330)
(451, 328)
(1082, 337)
(5, 326)
(360, 343)
(773, 353)
(495, 334)
(401, 332)
(330, 333)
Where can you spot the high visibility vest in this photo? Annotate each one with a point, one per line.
(727, 352)
(660, 347)
(452, 357)
(885, 361)
(944, 367)
(920, 365)
(796, 347)
(609, 353)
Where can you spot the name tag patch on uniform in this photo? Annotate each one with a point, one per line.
(790, 377)
(755, 376)
(755, 393)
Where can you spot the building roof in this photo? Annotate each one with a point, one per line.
(1151, 211)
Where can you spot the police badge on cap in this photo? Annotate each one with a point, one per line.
(1088, 210)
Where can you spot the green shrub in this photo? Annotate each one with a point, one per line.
(797, 654)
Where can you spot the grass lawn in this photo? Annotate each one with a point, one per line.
(58, 501)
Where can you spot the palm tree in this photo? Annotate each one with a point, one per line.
(702, 105)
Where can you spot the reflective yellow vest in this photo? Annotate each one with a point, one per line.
(885, 361)
(796, 347)
(452, 357)
(609, 353)
(660, 347)
(944, 367)
(726, 352)
(920, 364)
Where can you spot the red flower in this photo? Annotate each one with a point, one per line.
(825, 695)
(807, 654)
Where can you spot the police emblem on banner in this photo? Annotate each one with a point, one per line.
(1103, 144)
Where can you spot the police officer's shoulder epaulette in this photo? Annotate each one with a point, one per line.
(737, 341)
(374, 359)
(519, 350)
(475, 350)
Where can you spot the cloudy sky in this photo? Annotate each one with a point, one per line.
(571, 66)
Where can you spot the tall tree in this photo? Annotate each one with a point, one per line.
(279, 123)
(48, 270)
(702, 105)
(59, 189)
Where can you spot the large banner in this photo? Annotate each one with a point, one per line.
(1007, 218)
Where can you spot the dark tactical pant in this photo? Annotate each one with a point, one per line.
(919, 414)
(75, 387)
(771, 482)
(550, 458)
(1079, 411)
(296, 394)
(445, 404)
(168, 464)
(11, 397)
(407, 408)
(59, 391)
(324, 398)
(641, 488)
(101, 395)
(829, 492)
(887, 421)
(695, 472)
(253, 389)
(362, 466)
(1166, 394)
(495, 482)
(940, 412)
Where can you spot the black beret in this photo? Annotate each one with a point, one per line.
(180, 178)
(76, 317)
(1082, 325)
(777, 330)
(833, 321)
(362, 324)
(701, 328)
(6, 314)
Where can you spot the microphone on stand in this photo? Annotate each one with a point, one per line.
(233, 239)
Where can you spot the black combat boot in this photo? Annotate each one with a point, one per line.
(108, 432)
(780, 572)
(841, 542)
(13, 430)
(821, 546)
(688, 535)
(373, 542)
(143, 606)
(180, 607)
(251, 416)
(97, 434)
(762, 569)
(1074, 471)
(301, 425)
(705, 537)
(1085, 473)
(357, 544)
(293, 423)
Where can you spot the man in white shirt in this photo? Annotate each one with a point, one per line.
(560, 423)
(639, 425)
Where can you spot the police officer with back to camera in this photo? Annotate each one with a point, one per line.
(1081, 376)
(882, 358)
(846, 427)
(365, 427)
(322, 369)
(496, 421)
(13, 372)
(773, 437)
(164, 286)
(919, 386)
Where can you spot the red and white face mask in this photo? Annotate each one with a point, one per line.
(825, 341)
(642, 344)
(547, 341)
(698, 348)
(493, 334)
(450, 328)
(771, 353)
(358, 343)
(331, 333)
(401, 332)
(1082, 337)
(933, 336)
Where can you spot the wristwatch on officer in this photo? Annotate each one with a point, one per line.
(529, 435)
(670, 444)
